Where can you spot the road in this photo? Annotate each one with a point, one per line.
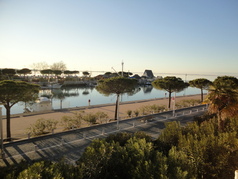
(71, 144)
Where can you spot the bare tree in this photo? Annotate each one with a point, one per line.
(58, 66)
(40, 66)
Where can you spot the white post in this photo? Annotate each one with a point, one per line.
(36, 147)
(236, 174)
(118, 111)
(2, 148)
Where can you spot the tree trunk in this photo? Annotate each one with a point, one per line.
(8, 122)
(117, 107)
(201, 95)
(169, 99)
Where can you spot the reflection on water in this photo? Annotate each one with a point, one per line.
(75, 97)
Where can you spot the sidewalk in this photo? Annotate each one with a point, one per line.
(71, 144)
(21, 123)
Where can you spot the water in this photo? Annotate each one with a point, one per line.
(76, 97)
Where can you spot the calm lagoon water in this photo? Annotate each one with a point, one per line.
(72, 97)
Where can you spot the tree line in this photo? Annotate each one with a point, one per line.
(197, 150)
(222, 97)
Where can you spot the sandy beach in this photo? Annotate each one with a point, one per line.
(20, 123)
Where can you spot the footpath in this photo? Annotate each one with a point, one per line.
(20, 122)
(71, 144)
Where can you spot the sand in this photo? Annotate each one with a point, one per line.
(21, 123)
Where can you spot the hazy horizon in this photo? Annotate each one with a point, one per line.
(189, 37)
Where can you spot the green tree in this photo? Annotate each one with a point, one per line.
(12, 92)
(118, 86)
(46, 72)
(170, 84)
(24, 71)
(8, 73)
(200, 83)
(223, 98)
(86, 73)
(57, 72)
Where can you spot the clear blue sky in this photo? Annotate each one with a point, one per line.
(166, 36)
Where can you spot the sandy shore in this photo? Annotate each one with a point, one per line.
(21, 123)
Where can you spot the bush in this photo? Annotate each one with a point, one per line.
(101, 116)
(136, 112)
(42, 126)
(71, 122)
(129, 112)
(90, 118)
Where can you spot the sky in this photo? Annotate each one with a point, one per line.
(165, 36)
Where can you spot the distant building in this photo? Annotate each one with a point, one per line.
(148, 74)
(136, 76)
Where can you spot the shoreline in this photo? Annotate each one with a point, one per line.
(92, 106)
(21, 122)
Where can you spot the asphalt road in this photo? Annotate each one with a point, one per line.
(71, 144)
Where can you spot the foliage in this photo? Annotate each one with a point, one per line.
(57, 72)
(223, 98)
(190, 152)
(46, 71)
(68, 72)
(151, 109)
(187, 103)
(8, 73)
(200, 83)
(24, 71)
(101, 116)
(135, 158)
(71, 122)
(136, 112)
(86, 73)
(75, 121)
(90, 118)
(42, 169)
(200, 151)
(116, 85)
(42, 126)
(170, 84)
(12, 92)
(129, 112)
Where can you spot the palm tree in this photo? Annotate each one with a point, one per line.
(223, 98)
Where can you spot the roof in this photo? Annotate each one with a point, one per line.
(148, 74)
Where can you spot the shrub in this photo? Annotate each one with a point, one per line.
(90, 118)
(71, 122)
(129, 112)
(101, 116)
(136, 112)
(42, 126)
